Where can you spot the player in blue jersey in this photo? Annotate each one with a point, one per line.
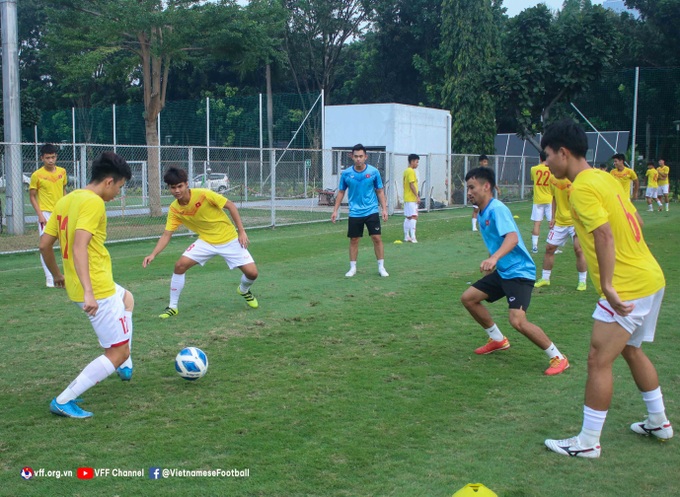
(366, 199)
(509, 272)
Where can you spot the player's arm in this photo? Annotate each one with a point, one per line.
(383, 203)
(606, 259)
(636, 188)
(510, 241)
(236, 217)
(81, 261)
(338, 200)
(33, 196)
(47, 251)
(414, 188)
(160, 246)
(553, 213)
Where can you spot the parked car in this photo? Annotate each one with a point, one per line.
(217, 182)
(25, 179)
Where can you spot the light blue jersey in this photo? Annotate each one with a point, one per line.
(361, 196)
(496, 221)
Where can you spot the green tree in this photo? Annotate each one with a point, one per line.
(469, 45)
(661, 19)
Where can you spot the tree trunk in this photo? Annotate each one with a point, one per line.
(153, 165)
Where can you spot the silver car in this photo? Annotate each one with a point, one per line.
(217, 182)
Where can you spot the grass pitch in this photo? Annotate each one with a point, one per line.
(346, 387)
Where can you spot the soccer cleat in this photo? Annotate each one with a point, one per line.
(581, 287)
(541, 282)
(124, 372)
(493, 345)
(49, 283)
(534, 250)
(382, 272)
(168, 313)
(413, 240)
(250, 298)
(475, 229)
(572, 447)
(558, 251)
(557, 366)
(663, 431)
(351, 272)
(408, 239)
(70, 410)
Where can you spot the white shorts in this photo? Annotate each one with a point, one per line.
(640, 323)
(41, 228)
(411, 209)
(110, 323)
(541, 211)
(232, 253)
(651, 192)
(662, 190)
(559, 235)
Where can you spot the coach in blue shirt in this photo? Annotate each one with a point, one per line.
(509, 272)
(365, 196)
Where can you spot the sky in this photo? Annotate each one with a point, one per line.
(516, 6)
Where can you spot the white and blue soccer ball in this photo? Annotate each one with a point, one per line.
(191, 363)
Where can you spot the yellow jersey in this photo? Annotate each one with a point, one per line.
(410, 177)
(204, 216)
(561, 189)
(49, 185)
(83, 210)
(540, 177)
(652, 177)
(663, 170)
(626, 176)
(596, 199)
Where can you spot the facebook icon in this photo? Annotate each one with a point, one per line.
(154, 473)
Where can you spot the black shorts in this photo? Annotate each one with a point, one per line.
(516, 290)
(355, 225)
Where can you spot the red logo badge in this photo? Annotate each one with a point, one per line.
(368, 175)
(198, 204)
(487, 222)
(85, 473)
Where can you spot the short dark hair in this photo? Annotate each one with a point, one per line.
(482, 174)
(650, 163)
(175, 176)
(358, 147)
(412, 157)
(603, 165)
(48, 148)
(482, 157)
(109, 165)
(542, 155)
(619, 157)
(566, 133)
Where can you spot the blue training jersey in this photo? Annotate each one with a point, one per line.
(496, 221)
(361, 197)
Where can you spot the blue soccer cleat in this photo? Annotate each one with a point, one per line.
(69, 410)
(124, 372)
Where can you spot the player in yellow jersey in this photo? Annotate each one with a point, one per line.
(48, 185)
(201, 211)
(630, 283)
(625, 175)
(543, 200)
(411, 199)
(663, 182)
(79, 223)
(652, 186)
(561, 229)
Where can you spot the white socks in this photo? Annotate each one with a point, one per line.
(409, 228)
(128, 323)
(176, 287)
(245, 284)
(494, 333)
(546, 274)
(582, 276)
(93, 373)
(593, 422)
(552, 351)
(655, 407)
(534, 241)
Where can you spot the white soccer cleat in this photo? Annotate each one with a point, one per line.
(382, 272)
(572, 447)
(413, 240)
(662, 432)
(351, 272)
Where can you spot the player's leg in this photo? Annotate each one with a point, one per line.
(375, 230)
(198, 252)
(536, 217)
(248, 277)
(125, 369)
(648, 198)
(407, 226)
(581, 265)
(475, 213)
(111, 328)
(49, 280)
(355, 231)
(414, 221)
(489, 289)
(548, 263)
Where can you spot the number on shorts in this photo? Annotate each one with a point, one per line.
(123, 323)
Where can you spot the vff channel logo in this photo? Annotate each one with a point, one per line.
(155, 473)
(27, 473)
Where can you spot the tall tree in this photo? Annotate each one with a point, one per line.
(661, 17)
(157, 33)
(469, 46)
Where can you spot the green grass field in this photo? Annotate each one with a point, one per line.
(333, 387)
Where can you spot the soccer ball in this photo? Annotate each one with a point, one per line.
(191, 363)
